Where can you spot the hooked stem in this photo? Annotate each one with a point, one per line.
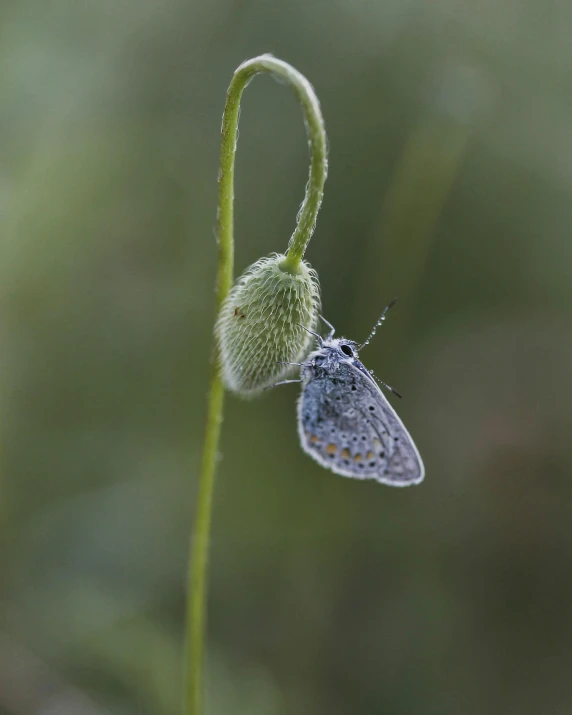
(198, 565)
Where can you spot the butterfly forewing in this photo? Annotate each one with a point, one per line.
(347, 425)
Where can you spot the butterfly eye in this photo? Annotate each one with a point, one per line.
(347, 350)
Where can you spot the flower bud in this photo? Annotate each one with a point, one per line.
(264, 322)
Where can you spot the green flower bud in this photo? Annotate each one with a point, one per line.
(264, 322)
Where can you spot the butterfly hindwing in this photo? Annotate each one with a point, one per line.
(347, 425)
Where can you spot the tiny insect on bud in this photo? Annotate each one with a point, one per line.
(264, 322)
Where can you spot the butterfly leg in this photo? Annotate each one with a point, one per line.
(282, 382)
(319, 338)
(330, 326)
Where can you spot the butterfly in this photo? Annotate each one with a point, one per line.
(346, 423)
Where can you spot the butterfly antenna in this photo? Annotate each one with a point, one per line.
(379, 322)
(384, 384)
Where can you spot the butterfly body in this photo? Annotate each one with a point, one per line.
(345, 422)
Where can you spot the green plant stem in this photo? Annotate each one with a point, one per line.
(198, 571)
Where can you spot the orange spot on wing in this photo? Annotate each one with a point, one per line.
(331, 449)
(313, 439)
(345, 453)
(369, 455)
(358, 458)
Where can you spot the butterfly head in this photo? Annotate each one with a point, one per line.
(341, 347)
(331, 352)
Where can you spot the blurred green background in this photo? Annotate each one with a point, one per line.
(450, 176)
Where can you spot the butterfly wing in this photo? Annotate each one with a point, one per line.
(347, 425)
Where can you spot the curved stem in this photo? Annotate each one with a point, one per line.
(197, 576)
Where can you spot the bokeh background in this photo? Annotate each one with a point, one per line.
(450, 132)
